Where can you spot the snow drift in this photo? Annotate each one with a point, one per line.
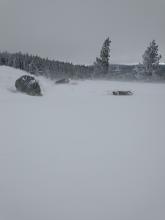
(80, 153)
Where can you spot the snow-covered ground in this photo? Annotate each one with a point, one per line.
(79, 153)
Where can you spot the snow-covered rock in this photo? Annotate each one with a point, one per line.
(29, 85)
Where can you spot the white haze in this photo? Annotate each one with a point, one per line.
(74, 30)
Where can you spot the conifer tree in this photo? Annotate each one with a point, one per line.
(151, 58)
(102, 63)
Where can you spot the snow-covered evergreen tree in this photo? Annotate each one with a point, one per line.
(102, 63)
(151, 58)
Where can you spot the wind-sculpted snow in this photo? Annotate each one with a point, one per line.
(80, 153)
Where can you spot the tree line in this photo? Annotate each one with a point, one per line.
(148, 69)
(45, 67)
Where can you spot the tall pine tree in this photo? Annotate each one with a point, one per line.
(102, 63)
(151, 58)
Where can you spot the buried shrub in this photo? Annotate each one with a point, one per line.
(62, 81)
(119, 92)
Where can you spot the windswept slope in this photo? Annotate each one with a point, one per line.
(8, 77)
(79, 153)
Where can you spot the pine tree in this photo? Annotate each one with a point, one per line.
(151, 58)
(102, 63)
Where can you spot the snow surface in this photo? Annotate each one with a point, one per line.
(80, 153)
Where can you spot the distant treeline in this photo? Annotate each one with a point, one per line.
(45, 67)
(135, 72)
(56, 69)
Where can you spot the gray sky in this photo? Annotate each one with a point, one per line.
(74, 30)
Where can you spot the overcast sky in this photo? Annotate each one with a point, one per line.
(74, 30)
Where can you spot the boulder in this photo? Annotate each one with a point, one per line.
(28, 85)
(119, 92)
(62, 81)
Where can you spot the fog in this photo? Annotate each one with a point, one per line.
(74, 30)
